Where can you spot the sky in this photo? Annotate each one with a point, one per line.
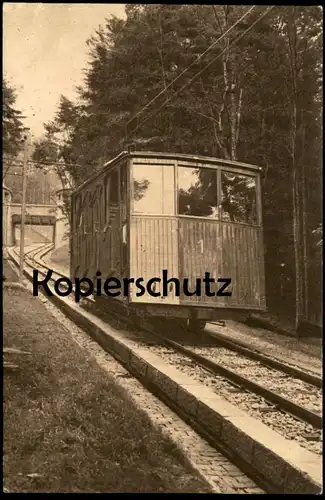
(44, 52)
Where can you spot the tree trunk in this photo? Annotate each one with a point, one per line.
(233, 115)
(304, 225)
(296, 236)
(230, 108)
(292, 31)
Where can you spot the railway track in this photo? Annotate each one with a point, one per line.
(274, 386)
(211, 366)
(268, 361)
(232, 374)
(220, 340)
(244, 375)
(42, 266)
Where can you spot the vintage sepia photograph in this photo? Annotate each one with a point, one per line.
(162, 246)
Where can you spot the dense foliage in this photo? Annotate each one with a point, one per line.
(40, 185)
(259, 102)
(12, 125)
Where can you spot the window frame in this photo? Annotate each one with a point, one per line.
(165, 164)
(115, 171)
(218, 170)
(257, 209)
(123, 190)
(107, 190)
(200, 167)
(176, 164)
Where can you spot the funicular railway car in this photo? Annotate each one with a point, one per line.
(148, 213)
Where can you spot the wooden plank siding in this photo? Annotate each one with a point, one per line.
(200, 251)
(189, 247)
(186, 246)
(154, 247)
(96, 243)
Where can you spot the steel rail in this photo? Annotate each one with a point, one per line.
(272, 397)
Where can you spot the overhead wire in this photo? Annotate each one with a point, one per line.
(120, 121)
(192, 64)
(239, 37)
(184, 71)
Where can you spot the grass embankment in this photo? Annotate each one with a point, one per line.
(69, 424)
(8, 273)
(60, 258)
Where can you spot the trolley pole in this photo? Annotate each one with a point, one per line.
(23, 209)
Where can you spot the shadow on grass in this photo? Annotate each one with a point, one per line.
(69, 424)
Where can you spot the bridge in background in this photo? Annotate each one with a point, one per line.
(36, 215)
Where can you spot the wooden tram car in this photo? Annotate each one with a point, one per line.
(145, 212)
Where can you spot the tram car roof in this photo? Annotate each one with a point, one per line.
(196, 160)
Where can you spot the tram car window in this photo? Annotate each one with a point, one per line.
(153, 189)
(197, 192)
(189, 215)
(238, 198)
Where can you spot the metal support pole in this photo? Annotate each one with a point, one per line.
(23, 211)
